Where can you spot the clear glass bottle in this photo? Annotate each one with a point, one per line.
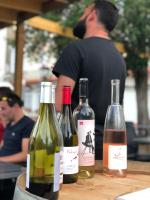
(43, 160)
(115, 139)
(85, 121)
(70, 138)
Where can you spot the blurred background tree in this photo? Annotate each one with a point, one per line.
(133, 31)
(40, 43)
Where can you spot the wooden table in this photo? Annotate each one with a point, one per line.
(98, 188)
(107, 188)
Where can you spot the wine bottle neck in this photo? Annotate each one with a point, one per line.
(66, 106)
(115, 88)
(83, 100)
(46, 107)
(66, 95)
(83, 91)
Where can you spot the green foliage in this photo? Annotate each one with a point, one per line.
(133, 31)
(40, 44)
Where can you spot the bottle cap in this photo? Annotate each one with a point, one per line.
(46, 83)
(66, 95)
(83, 80)
(83, 87)
(115, 81)
(47, 92)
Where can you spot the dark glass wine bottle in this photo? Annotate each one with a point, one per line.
(70, 156)
(85, 121)
(115, 139)
(43, 161)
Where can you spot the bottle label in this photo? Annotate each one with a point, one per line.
(61, 167)
(71, 160)
(56, 172)
(117, 157)
(86, 136)
(28, 171)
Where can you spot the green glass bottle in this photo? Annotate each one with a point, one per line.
(70, 138)
(43, 160)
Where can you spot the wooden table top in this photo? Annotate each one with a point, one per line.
(101, 187)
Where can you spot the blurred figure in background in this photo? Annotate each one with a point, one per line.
(94, 57)
(3, 91)
(1, 130)
(14, 146)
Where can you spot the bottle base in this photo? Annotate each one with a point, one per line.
(84, 173)
(115, 173)
(70, 178)
(43, 190)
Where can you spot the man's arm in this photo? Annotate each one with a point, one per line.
(61, 81)
(18, 157)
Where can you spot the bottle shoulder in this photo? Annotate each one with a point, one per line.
(45, 127)
(84, 111)
(67, 123)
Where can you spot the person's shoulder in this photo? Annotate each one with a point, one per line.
(77, 43)
(73, 47)
(91, 41)
(28, 120)
(73, 44)
(28, 123)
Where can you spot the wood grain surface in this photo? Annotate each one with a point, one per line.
(107, 188)
(99, 187)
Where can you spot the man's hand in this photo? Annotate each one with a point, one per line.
(52, 78)
(62, 80)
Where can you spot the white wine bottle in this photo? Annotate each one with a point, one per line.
(43, 161)
(85, 121)
(70, 138)
(115, 139)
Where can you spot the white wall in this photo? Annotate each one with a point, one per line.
(130, 104)
(2, 51)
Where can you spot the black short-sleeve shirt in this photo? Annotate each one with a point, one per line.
(98, 60)
(13, 135)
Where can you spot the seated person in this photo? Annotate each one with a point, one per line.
(1, 130)
(3, 91)
(14, 146)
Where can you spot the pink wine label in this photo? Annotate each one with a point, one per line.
(71, 160)
(117, 157)
(86, 136)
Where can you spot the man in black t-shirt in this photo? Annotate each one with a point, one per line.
(14, 146)
(95, 57)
